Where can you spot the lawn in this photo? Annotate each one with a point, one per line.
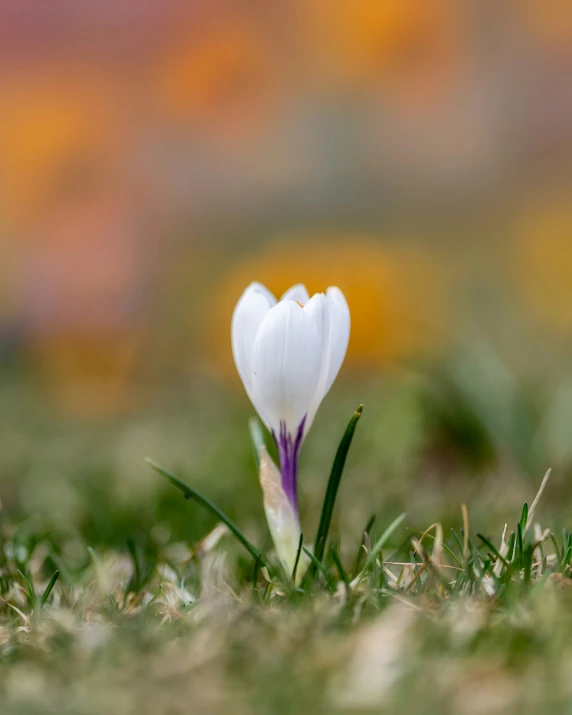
(423, 601)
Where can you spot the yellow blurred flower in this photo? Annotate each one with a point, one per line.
(396, 294)
(542, 262)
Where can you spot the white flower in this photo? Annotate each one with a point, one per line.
(288, 353)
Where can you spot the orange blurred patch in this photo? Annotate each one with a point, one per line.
(90, 373)
(549, 24)
(397, 295)
(220, 78)
(51, 125)
(542, 263)
(413, 47)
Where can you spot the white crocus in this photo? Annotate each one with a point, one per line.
(288, 353)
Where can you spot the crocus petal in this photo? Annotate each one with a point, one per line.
(318, 311)
(297, 293)
(287, 364)
(336, 330)
(282, 519)
(247, 317)
(256, 287)
(339, 335)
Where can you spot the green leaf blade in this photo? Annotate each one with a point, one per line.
(49, 589)
(333, 485)
(384, 538)
(191, 493)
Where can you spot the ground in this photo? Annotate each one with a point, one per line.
(157, 608)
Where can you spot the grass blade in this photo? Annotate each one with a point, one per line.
(297, 561)
(511, 547)
(524, 517)
(29, 588)
(333, 484)
(49, 588)
(380, 543)
(489, 544)
(459, 542)
(520, 544)
(361, 551)
(321, 568)
(556, 548)
(566, 559)
(207, 504)
(255, 574)
(340, 567)
(444, 546)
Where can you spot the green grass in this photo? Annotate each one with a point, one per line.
(120, 596)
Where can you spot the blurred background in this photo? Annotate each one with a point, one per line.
(159, 155)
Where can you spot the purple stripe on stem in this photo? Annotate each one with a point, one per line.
(289, 451)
